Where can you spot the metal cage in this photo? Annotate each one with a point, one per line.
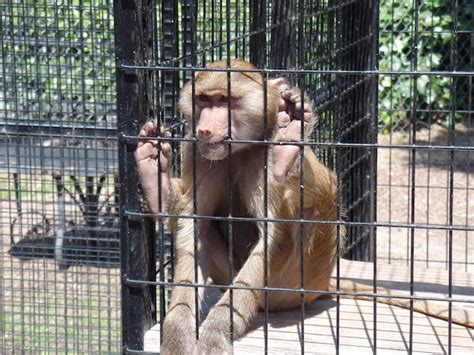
(310, 43)
(331, 50)
(84, 269)
(59, 245)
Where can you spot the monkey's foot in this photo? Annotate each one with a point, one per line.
(153, 161)
(285, 156)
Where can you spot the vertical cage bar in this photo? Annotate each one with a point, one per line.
(413, 122)
(257, 29)
(282, 34)
(169, 92)
(451, 134)
(373, 138)
(355, 50)
(133, 36)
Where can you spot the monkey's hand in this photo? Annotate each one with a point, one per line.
(289, 126)
(154, 158)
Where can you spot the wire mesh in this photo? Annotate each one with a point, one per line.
(59, 243)
(426, 110)
(397, 129)
(374, 117)
(308, 43)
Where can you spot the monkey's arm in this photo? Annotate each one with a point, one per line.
(215, 330)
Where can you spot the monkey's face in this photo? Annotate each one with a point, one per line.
(220, 117)
(212, 127)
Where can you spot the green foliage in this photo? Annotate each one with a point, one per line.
(58, 60)
(423, 43)
(59, 63)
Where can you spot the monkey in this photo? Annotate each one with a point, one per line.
(270, 189)
(247, 161)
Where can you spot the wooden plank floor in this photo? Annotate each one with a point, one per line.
(356, 325)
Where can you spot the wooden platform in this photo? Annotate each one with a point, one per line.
(356, 327)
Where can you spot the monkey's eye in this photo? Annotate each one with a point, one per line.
(203, 98)
(224, 99)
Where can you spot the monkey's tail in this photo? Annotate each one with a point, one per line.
(458, 316)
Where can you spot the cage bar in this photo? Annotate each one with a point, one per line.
(134, 31)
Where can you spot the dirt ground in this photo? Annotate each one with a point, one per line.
(434, 173)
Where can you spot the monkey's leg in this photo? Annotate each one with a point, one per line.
(215, 330)
(179, 329)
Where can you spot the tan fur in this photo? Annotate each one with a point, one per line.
(248, 197)
(212, 199)
(436, 310)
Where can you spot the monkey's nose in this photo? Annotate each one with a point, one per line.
(204, 133)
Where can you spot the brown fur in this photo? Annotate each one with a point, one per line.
(436, 310)
(212, 199)
(248, 200)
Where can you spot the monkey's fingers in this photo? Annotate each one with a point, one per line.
(285, 156)
(308, 115)
(291, 94)
(150, 129)
(283, 119)
(282, 86)
(295, 97)
(166, 150)
(149, 149)
(165, 157)
(148, 157)
(279, 82)
(282, 105)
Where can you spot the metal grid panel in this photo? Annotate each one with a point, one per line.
(328, 49)
(426, 104)
(323, 40)
(308, 42)
(59, 246)
(57, 102)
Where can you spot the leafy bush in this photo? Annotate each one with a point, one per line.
(58, 60)
(430, 49)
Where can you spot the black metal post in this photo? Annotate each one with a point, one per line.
(356, 35)
(189, 25)
(170, 44)
(134, 41)
(258, 40)
(283, 34)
